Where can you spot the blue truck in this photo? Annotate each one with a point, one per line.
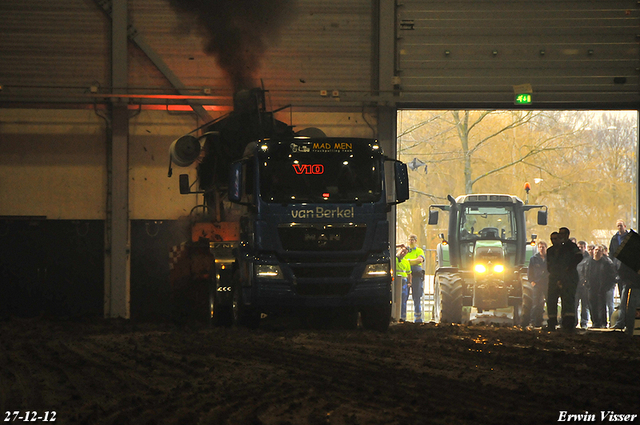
(299, 226)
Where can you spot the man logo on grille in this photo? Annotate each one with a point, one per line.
(322, 239)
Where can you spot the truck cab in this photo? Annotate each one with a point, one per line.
(314, 232)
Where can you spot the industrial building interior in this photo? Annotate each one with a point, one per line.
(94, 92)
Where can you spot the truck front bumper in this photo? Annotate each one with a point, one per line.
(274, 295)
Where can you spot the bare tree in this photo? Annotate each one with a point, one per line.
(476, 138)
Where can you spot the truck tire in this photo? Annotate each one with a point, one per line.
(527, 305)
(376, 318)
(222, 302)
(243, 315)
(448, 298)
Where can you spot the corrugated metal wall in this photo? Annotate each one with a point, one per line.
(327, 45)
(56, 50)
(52, 47)
(472, 52)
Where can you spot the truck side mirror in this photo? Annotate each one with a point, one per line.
(235, 182)
(402, 182)
(542, 218)
(433, 217)
(184, 184)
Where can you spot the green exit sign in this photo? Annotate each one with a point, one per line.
(523, 99)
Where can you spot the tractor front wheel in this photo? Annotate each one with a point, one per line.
(448, 297)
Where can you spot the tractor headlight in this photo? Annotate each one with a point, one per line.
(484, 268)
(376, 270)
(480, 268)
(268, 271)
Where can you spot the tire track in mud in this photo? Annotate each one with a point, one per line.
(146, 375)
(362, 377)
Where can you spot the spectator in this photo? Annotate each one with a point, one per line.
(632, 297)
(416, 258)
(403, 272)
(553, 290)
(562, 260)
(623, 277)
(608, 303)
(539, 278)
(601, 276)
(582, 292)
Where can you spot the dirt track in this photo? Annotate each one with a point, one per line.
(117, 372)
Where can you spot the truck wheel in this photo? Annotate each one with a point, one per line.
(527, 305)
(243, 315)
(448, 297)
(222, 300)
(376, 318)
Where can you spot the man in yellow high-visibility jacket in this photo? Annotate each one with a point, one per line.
(403, 273)
(416, 259)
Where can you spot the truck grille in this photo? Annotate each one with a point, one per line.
(322, 237)
(304, 272)
(323, 289)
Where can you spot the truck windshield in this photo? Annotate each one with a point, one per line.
(487, 222)
(320, 171)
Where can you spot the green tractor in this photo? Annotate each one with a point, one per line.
(483, 263)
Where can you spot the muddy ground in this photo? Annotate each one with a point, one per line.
(122, 372)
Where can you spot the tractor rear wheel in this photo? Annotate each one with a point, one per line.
(448, 293)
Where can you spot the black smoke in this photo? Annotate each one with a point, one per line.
(237, 32)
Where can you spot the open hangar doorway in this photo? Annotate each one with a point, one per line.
(583, 165)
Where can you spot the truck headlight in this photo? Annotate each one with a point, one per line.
(268, 271)
(376, 270)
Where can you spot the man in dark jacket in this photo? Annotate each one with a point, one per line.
(539, 278)
(623, 278)
(562, 259)
(601, 276)
(629, 256)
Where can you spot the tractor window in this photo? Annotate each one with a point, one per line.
(487, 222)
